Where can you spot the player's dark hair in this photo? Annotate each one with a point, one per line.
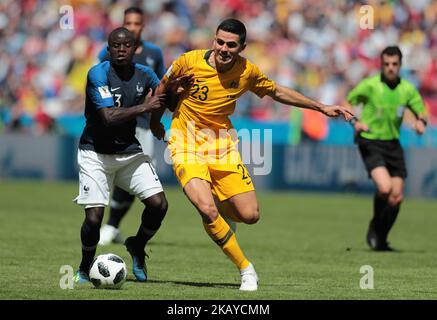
(392, 51)
(121, 30)
(134, 10)
(233, 26)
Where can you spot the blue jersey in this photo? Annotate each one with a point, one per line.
(105, 89)
(151, 56)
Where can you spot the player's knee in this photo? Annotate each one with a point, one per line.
(251, 215)
(157, 202)
(384, 191)
(395, 200)
(94, 216)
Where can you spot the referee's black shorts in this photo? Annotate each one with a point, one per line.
(385, 153)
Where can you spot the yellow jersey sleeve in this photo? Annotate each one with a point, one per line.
(260, 84)
(177, 68)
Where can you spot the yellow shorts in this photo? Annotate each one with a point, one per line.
(227, 179)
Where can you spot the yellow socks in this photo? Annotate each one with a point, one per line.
(220, 232)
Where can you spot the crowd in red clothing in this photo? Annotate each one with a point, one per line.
(316, 47)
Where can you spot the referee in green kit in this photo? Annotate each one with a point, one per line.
(385, 97)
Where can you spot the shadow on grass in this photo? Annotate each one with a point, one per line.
(393, 251)
(190, 283)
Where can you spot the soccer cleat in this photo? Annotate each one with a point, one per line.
(81, 277)
(385, 247)
(139, 268)
(249, 279)
(376, 244)
(109, 234)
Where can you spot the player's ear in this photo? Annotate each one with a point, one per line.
(243, 46)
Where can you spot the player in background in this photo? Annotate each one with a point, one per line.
(218, 183)
(109, 152)
(385, 97)
(149, 55)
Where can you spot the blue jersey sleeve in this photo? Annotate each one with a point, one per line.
(152, 79)
(97, 86)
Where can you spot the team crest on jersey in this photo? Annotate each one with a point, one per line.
(234, 84)
(139, 89)
(181, 172)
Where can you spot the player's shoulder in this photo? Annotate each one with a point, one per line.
(371, 81)
(246, 66)
(194, 55)
(147, 71)
(152, 47)
(247, 63)
(143, 68)
(99, 71)
(407, 84)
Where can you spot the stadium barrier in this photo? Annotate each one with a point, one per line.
(307, 166)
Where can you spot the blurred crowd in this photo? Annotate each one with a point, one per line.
(315, 47)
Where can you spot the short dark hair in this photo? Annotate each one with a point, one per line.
(233, 26)
(392, 51)
(134, 10)
(118, 31)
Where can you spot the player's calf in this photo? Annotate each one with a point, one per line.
(207, 210)
(90, 234)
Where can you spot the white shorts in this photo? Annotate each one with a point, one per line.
(145, 137)
(98, 173)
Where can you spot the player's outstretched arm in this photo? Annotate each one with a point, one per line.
(355, 122)
(291, 97)
(116, 116)
(173, 89)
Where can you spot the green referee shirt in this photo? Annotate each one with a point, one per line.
(383, 107)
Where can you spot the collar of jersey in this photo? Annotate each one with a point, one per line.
(206, 57)
(390, 85)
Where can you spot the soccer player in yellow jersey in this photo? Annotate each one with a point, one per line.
(202, 141)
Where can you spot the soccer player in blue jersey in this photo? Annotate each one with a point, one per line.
(150, 55)
(109, 154)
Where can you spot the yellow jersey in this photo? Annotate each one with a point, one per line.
(212, 98)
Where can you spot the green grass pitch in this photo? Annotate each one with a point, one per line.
(306, 246)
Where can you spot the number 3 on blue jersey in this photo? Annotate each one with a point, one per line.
(117, 100)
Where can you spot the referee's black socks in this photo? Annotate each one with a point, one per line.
(390, 215)
(378, 224)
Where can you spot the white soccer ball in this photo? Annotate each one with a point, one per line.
(108, 271)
